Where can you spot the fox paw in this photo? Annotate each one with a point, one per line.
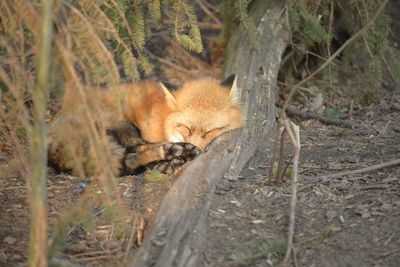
(169, 167)
(164, 157)
(131, 163)
(184, 151)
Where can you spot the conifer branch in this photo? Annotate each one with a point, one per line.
(334, 55)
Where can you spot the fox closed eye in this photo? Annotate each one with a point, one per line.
(213, 133)
(184, 130)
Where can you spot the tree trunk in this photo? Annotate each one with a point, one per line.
(176, 237)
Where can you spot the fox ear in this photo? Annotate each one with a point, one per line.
(228, 82)
(171, 102)
(234, 94)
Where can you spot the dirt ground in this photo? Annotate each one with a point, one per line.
(353, 220)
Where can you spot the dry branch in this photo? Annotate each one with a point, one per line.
(208, 12)
(312, 115)
(294, 135)
(327, 178)
(38, 231)
(391, 163)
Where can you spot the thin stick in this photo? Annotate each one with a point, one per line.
(273, 157)
(170, 64)
(363, 170)
(208, 12)
(326, 178)
(294, 135)
(331, 58)
(210, 26)
(130, 241)
(279, 172)
(38, 139)
(312, 115)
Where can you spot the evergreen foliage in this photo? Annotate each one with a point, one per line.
(100, 34)
(236, 12)
(95, 43)
(315, 25)
(241, 13)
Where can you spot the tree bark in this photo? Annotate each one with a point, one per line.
(176, 237)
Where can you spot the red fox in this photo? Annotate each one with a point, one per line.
(173, 126)
(197, 113)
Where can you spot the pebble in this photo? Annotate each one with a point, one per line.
(9, 240)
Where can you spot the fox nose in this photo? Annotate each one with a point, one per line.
(198, 142)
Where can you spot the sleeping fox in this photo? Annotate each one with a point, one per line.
(196, 114)
(173, 126)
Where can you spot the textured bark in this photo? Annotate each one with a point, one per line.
(176, 237)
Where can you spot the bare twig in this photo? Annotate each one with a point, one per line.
(210, 26)
(38, 140)
(131, 240)
(312, 115)
(362, 170)
(334, 55)
(170, 63)
(374, 187)
(326, 178)
(286, 58)
(140, 231)
(328, 45)
(279, 172)
(294, 135)
(208, 12)
(273, 157)
(295, 263)
(92, 254)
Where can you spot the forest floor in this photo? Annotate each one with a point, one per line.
(352, 220)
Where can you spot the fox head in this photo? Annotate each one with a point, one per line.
(204, 109)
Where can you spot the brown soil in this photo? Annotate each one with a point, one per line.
(349, 221)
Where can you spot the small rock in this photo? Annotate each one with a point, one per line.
(330, 214)
(216, 225)
(258, 221)
(236, 203)
(387, 206)
(352, 159)
(159, 243)
(9, 240)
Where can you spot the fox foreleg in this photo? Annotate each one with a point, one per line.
(166, 157)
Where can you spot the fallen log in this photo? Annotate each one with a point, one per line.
(176, 236)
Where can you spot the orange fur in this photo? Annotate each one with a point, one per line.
(205, 110)
(197, 113)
